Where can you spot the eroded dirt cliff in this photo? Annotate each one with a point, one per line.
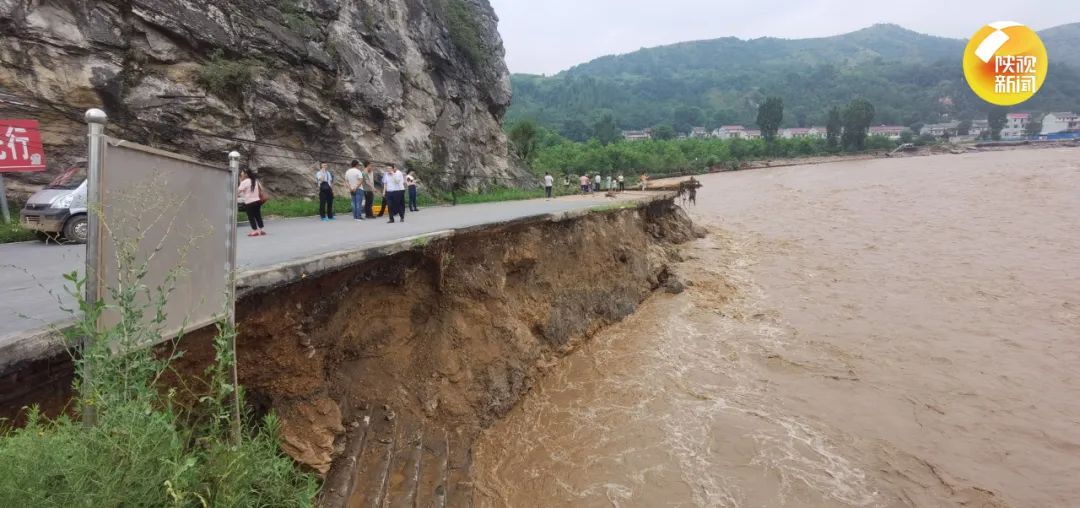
(392, 80)
(452, 333)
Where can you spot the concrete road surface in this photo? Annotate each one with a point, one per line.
(32, 287)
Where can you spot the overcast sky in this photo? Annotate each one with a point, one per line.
(547, 36)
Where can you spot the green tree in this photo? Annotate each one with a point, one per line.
(663, 132)
(833, 129)
(964, 128)
(524, 136)
(858, 115)
(724, 116)
(907, 136)
(606, 130)
(1033, 129)
(996, 118)
(687, 117)
(770, 116)
(576, 130)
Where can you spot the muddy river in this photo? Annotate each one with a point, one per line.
(874, 333)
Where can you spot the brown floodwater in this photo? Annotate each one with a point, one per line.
(898, 332)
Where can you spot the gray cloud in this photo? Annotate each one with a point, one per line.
(547, 36)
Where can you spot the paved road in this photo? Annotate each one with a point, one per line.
(33, 286)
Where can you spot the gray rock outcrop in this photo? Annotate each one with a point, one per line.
(422, 82)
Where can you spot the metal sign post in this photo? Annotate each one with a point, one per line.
(3, 200)
(230, 271)
(95, 120)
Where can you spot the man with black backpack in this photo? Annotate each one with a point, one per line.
(325, 179)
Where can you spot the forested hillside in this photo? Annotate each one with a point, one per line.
(908, 76)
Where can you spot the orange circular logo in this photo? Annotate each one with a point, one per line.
(1005, 63)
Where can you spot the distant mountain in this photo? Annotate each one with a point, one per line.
(1063, 44)
(910, 77)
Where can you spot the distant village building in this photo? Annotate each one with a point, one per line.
(751, 134)
(940, 130)
(892, 132)
(979, 127)
(803, 132)
(1016, 125)
(644, 135)
(699, 133)
(729, 132)
(1054, 123)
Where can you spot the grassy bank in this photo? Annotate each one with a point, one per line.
(14, 233)
(148, 443)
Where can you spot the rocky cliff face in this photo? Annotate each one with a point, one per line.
(418, 81)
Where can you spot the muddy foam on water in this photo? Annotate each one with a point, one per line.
(873, 333)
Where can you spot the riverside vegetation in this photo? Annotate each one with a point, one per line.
(671, 157)
(147, 443)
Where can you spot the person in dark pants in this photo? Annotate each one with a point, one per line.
(394, 188)
(251, 197)
(549, 182)
(369, 189)
(354, 180)
(380, 188)
(325, 180)
(410, 182)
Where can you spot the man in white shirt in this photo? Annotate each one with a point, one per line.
(394, 183)
(354, 178)
(324, 178)
(596, 183)
(549, 182)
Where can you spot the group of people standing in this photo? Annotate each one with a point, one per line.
(363, 183)
(598, 183)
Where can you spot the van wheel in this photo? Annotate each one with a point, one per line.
(77, 229)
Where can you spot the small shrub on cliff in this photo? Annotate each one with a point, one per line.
(465, 31)
(228, 78)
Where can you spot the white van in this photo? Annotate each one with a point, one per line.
(59, 210)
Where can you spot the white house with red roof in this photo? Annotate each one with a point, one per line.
(1016, 125)
(729, 132)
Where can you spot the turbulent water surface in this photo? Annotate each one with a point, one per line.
(874, 333)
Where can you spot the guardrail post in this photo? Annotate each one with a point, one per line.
(95, 121)
(230, 271)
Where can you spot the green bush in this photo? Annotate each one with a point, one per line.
(14, 233)
(675, 157)
(139, 444)
(465, 31)
(228, 78)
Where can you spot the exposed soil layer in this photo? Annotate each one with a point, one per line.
(453, 332)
